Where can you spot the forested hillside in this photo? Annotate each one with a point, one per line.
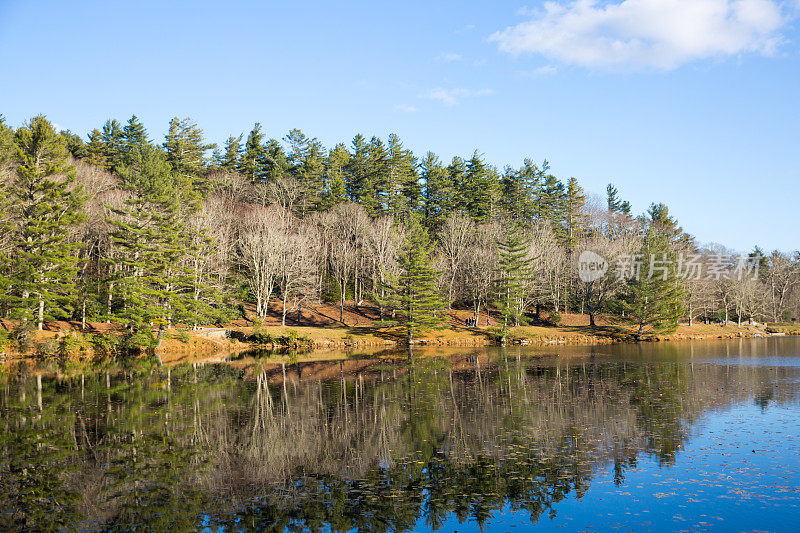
(146, 233)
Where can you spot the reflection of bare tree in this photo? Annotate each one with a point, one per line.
(475, 429)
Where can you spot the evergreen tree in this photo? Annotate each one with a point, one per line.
(414, 292)
(252, 160)
(44, 207)
(479, 189)
(134, 135)
(229, 161)
(6, 142)
(274, 162)
(185, 148)
(364, 169)
(614, 203)
(438, 197)
(457, 178)
(74, 144)
(95, 150)
(335, 188)
(152, 281)
(654, 298)
(576, 220)
(307, 166)
(515, 273)
(113, 144)
(403, 191)
(519, 188)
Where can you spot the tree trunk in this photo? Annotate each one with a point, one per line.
(41, 313)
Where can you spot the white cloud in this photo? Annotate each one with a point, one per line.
(545, 70)
(662, 34)
(450, 97)
(405, 108)
(449, 57)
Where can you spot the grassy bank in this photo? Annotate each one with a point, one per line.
(66, 341)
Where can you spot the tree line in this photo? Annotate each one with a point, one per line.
(125, 229)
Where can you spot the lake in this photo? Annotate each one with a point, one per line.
(691, 436)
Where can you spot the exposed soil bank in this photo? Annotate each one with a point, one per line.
(69, 340)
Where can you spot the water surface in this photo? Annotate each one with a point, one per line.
(700, 436)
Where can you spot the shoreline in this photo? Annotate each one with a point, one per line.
(208, 342)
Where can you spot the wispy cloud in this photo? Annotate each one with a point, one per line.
(545, 70)
(631, 34)
(450, 97)
(449, 57)
(405, 108)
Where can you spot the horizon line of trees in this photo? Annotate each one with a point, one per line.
(121, 228)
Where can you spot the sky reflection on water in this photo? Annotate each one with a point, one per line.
(660, 437)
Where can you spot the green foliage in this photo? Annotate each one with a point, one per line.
(45, 207)
(259, 336)
(655, 299)
(105, 345)
(46, 350)
(23, 336)
(72, 344)
(5, 340)
(413, 292)
(614, 203)
(514, 276)
(183, 336)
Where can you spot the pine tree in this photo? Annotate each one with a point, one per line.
(576, 220)
(519, 188)
(438, 196)
(251, 162)
(6, 142)
(403, 191)
(515, 273)
(95, 150)
(185, 148)
(134, 136)
(479, 190)
(113, 144)
(414, 292)
(614, 203)
(74, 144)
(229, 161)
(44, 207)
(153, 282)
(273, 163)
(654, 298)
(364, 169)
(457, 178)
(306, 165)
(335, 191)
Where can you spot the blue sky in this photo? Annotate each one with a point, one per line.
(690, 102)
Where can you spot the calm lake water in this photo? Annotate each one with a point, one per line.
(654, 437)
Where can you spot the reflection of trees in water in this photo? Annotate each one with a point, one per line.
(377, 449)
